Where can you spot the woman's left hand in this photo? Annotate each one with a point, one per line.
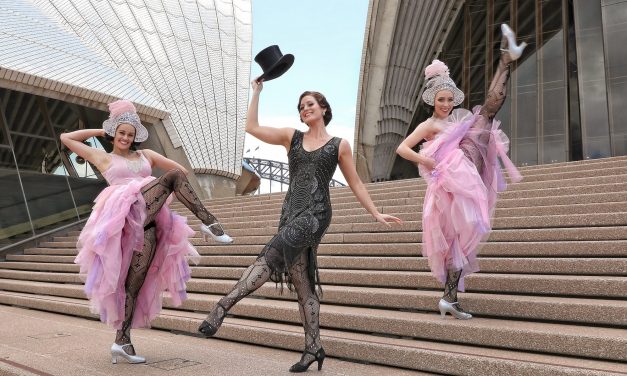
(387, 219)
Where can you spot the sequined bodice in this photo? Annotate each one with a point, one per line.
(310, 175)
(123, 170)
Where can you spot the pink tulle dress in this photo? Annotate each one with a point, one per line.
(460, 199)
(114, 230)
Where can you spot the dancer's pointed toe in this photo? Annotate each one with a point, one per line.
(207, 329)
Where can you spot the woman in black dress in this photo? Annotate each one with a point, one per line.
(305, 217)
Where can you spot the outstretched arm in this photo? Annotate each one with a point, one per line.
(270, 135)
(74, 141)
(166, 164)
(347, 166)
(405, 148)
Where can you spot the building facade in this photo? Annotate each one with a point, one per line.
(566, 95)
(185, 65)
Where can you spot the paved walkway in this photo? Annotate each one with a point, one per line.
(44, 344)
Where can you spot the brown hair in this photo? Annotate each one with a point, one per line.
(322, 101)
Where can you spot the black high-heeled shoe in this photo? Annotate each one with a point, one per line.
(208, 329)
(302, 366)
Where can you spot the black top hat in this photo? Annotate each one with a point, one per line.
(273, 62)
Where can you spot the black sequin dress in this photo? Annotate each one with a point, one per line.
(306, 212)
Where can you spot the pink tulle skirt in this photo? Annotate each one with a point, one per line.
(114, 230)
(459, 200)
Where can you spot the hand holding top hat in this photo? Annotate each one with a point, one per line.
(273, 63)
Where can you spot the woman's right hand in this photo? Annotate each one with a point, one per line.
(257, 85)
(428, 162)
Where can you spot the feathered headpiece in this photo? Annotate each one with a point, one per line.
(437, 79)
(123, 112)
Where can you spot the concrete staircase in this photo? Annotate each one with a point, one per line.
(550, 298)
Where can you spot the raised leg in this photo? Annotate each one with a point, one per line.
(254, 277)
(157, 191)
(497, 92)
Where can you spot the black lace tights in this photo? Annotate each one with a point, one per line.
(450, 287)
(497, 92)
(140, 263)
(257, 274)
(495, 98)
(155, 194)
(308, 305)
(157, 191)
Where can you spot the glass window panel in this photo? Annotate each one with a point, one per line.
(501, 14)
(618, 98)
(45, 184)
(525, 140)
(85, 181)
(554, 126)
(23, 114)
(477, 10)
(551, 16)
(526, 13)
(504, 116)
(615, 33)
(14, 222)
(591, 72)
(83, 168)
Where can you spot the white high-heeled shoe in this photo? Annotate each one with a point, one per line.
(206, 233)
(452, 308)
(118, 350)
(514, 50)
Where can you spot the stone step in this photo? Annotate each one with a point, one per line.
(414, 213)
(546, 221)
(596, 310)
(409, 353)
(558, 188)
(530, 307)
(527, 190)
(527, 265)
(562, 339)
(568, 170)
(529, 284)
(413, 222)
(40, 266)
(414, 205)
(609, 343)
(588, 164)
(610, 183)
(514, 235)
(504, 235)
(549, 297)
(517, 265)
(476, 283)
(340, 245)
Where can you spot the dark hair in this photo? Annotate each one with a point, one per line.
(322, 101)
(133, 147)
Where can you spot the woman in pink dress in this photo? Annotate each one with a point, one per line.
(133, 248)
(459, 163)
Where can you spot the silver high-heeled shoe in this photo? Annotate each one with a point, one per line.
(206, 233)
(118, 350)
(452, 308)
(514, 50)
